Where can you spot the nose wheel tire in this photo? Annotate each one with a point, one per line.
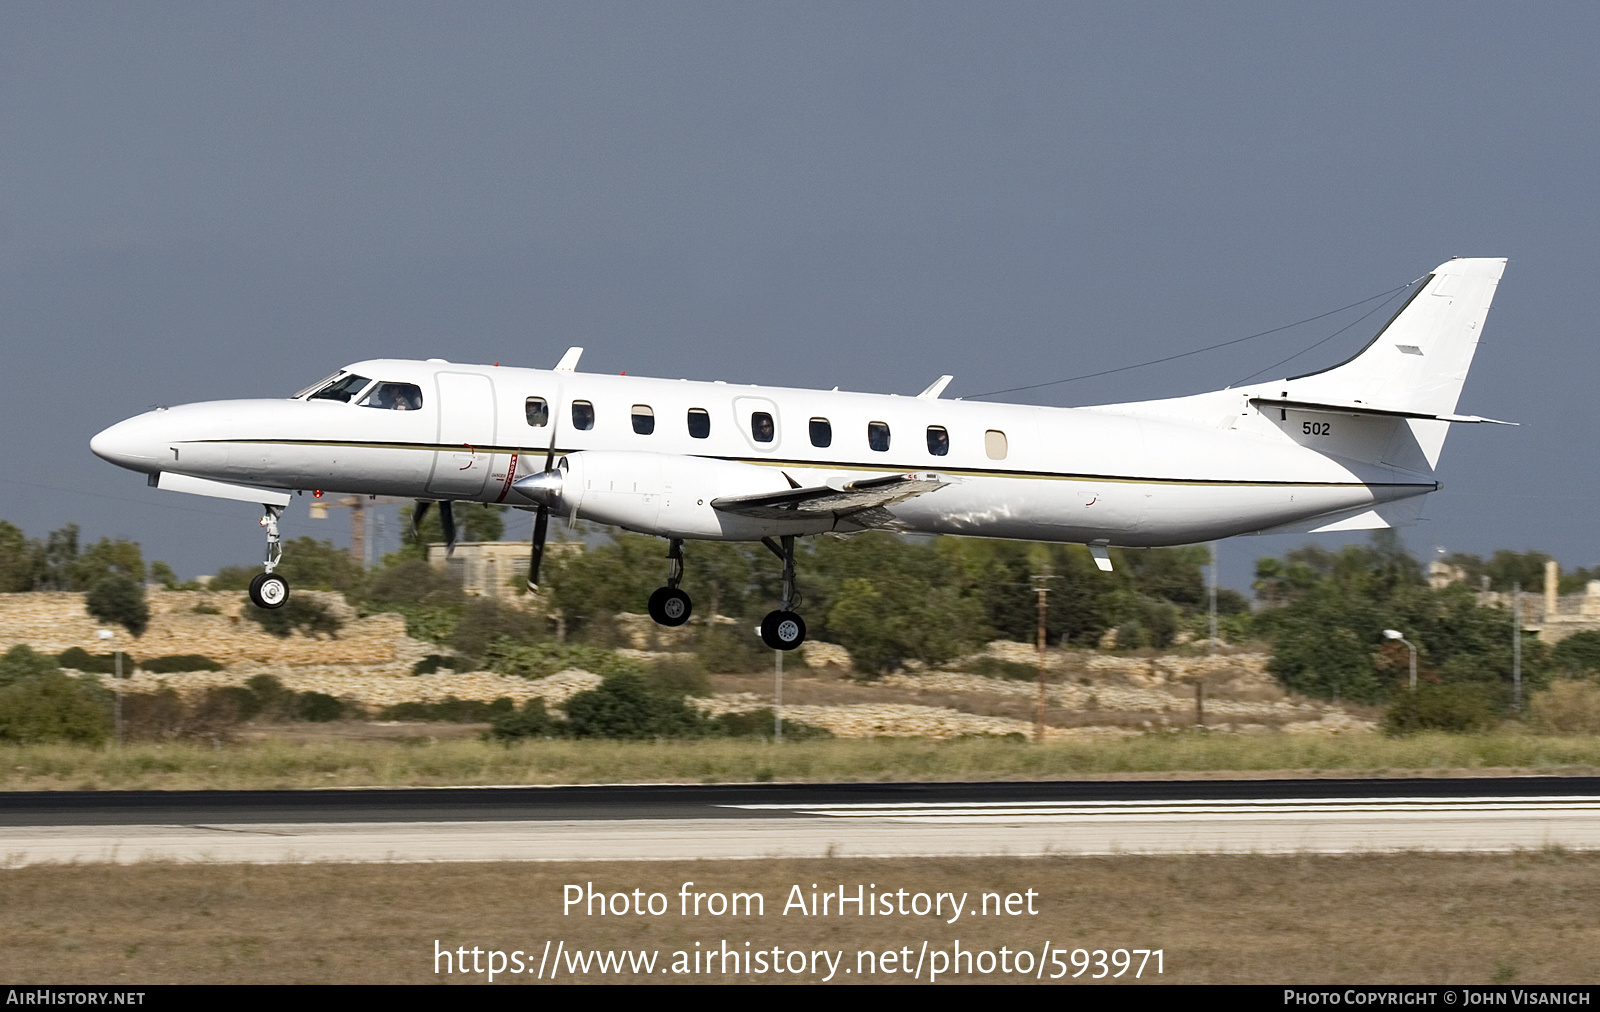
(269, 590)
(783, 630)
(670, 606)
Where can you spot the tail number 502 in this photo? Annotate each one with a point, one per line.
(1316, 428)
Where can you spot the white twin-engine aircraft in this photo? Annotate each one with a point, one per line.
(1347, 448)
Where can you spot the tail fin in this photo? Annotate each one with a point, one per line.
(1400, 390)
(1419, 361)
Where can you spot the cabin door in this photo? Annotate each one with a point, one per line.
(466, 430)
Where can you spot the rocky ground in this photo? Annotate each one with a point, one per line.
(1087, 692)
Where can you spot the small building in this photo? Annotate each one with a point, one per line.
(1553, 615)
(497, 569)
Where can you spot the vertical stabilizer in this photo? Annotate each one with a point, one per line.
(1418, 362)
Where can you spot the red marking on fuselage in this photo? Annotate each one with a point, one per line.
(511, 476)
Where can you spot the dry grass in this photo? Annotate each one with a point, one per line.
(347, 761)
(1414, 918)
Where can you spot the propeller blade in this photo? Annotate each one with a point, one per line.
(447, 519)
(417, 516)
(541, 526)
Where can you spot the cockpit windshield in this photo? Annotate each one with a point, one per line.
(394, 397)
(318, 385)
(341, 389)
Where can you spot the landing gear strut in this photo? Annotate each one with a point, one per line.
(783, 629)
(669, 605)
(268, 589)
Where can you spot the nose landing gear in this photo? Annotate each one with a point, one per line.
(268, 589)
(670, 606)
(783, 629)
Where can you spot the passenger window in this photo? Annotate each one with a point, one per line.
(994, 444)
(341, 389)
(878, 436)
(938, 440)
(394, 397)
(761, 428)
(644, 419)
(821, 432)
(699, 423)
(582, 415)
(538, 411)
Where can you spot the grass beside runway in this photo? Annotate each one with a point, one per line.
(423, 762)
(1406, 918)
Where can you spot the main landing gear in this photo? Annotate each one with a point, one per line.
(780, 630)
(783, 629)
(668, 605)
(268, 589)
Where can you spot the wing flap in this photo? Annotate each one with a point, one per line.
(842, 498)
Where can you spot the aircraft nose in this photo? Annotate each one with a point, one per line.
(131, 444)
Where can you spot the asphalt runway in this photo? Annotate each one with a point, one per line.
(802, 820)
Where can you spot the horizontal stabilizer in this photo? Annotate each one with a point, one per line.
(1357, 408)
(840, 498)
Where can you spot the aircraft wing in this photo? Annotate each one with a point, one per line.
(860, 502)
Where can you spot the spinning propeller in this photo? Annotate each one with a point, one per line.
(543, 488)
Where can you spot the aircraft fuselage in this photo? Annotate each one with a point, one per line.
(652, 454)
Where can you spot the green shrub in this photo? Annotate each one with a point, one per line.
(22, 662)
(1578, 654)
(165, 715)
(529, 722)
(79, 659)
(273, 700)
(54, 707)
(412, 583)
(1567, 708)
(430, 623)
(623, 706)
(679, 677)
(1458, 707)
(536, 660)
(244, 702)
(452, 710)
(994, 667)
(318, 706)
(731, 650)
(233, 578)
(485, 620)
(179, 662)
(119, 599)
(433, 663)
(759, 724)
(310, 616)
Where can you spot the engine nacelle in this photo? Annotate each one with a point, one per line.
(665, 494)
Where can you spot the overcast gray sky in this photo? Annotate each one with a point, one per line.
(202, 201)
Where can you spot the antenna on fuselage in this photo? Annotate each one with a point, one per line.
(569, 361)
(936, 388)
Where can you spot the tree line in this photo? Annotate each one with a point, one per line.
(890, 599)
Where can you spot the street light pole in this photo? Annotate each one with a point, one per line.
(116, 684)
(1211, 624)
(1516, 646)
(1395, 634)
(1041, 587)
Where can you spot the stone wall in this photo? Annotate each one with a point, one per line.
(55, 621)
